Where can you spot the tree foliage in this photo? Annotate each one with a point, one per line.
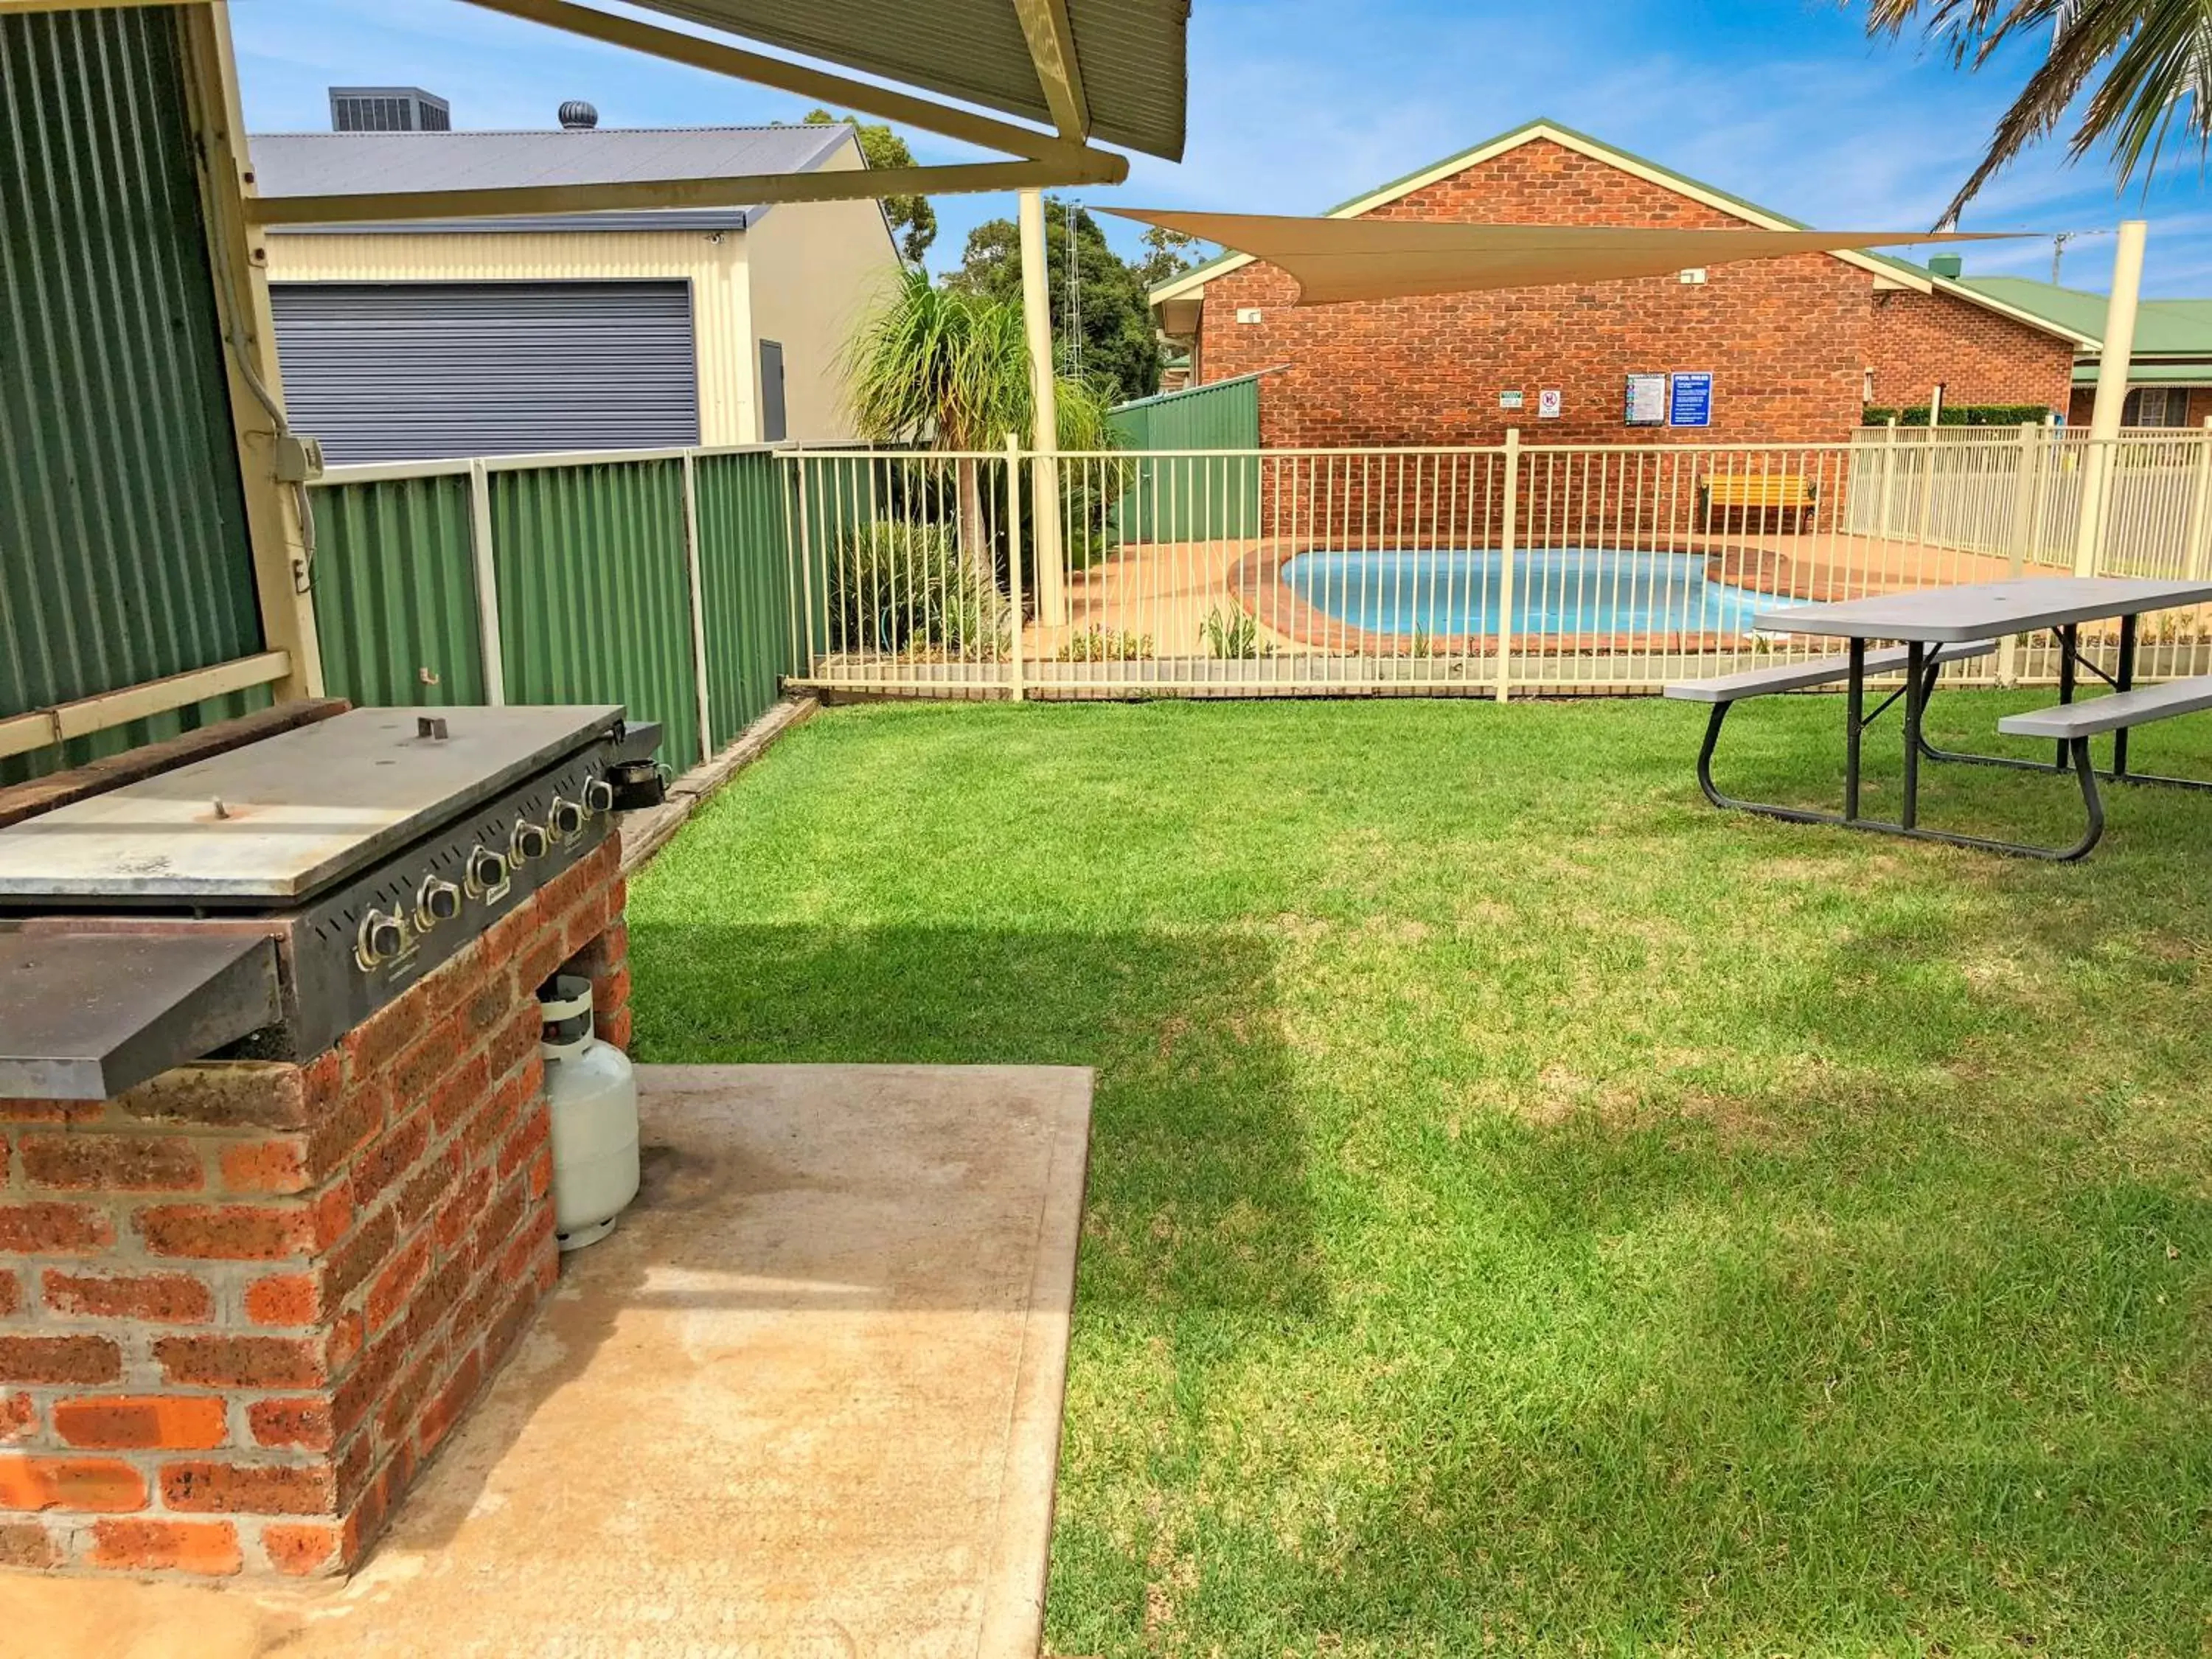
(2150, 62)
(1120, 350)
(913, 221)
(1166, 253)
(950, 367)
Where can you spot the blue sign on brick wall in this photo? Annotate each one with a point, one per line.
(1689, 400)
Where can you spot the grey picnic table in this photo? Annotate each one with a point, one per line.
(1936, 625)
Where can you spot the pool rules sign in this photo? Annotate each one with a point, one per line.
(1678, 399)
(1690, 400)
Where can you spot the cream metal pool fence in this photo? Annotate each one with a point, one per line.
(1544, 569)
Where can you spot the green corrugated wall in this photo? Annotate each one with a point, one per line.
(1185, 498)
(594, 590)
(123, 552)
(396, 592)
(744, 570)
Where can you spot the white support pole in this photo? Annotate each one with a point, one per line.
(698, 610)
(2026, 481)
(1014, 558)
(2113, 362)
(1044, 441)
(495, 658)
(1505, 562)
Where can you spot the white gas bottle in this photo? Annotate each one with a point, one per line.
(592, 1096)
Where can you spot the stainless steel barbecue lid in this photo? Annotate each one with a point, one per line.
(279, 819)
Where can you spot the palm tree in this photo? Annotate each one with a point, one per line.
(951, 368)
(2151, 61)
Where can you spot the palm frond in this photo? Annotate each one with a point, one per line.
(2150, 62)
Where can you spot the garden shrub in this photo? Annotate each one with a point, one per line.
(900, 586)
(1959, 415)
(1098, 644)
(1234, 634)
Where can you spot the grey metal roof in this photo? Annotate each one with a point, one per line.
(335, 163)
(1130, 53)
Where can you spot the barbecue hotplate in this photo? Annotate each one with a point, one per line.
(311, 877)
(277, 821)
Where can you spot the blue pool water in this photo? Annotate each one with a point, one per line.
(1564, 590)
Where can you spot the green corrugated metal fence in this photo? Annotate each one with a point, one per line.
(396, 592)
(745, 568)
(1192, 498)
(593, 588)
(594, 591)
(123, 551)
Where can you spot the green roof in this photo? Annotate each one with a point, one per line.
(2154, 371)
(2164, 328)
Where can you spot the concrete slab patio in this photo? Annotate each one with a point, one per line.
(805, 1401)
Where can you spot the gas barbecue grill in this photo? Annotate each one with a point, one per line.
(261, 902)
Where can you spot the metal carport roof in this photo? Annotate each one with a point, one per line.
(1127, 54)
(1112, 69)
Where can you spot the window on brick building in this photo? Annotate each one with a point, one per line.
(2156, 405)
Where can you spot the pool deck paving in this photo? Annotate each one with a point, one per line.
(805, 1401)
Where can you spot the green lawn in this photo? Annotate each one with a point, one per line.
(1529, 1211)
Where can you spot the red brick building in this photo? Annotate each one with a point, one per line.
(1796, 346)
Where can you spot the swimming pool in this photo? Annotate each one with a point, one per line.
(1443, 592)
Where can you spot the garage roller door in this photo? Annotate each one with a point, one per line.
(410, 371)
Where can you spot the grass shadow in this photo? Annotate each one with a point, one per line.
(1197, 1197)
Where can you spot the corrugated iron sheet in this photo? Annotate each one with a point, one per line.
(746, 564)
(407, 371)
(1185, 498)
(1130, 53)
(594, 591)
(396, 592)
(714, 269)
(123, 550)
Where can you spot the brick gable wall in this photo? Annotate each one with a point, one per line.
(1979, 355)
(1784, 337)
(1788, 340)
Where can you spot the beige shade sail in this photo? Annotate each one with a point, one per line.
(1370, 258)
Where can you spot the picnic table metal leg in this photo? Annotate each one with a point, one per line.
(2069, 639)
(1915, 707)
(2122, 681)
(1854, 729)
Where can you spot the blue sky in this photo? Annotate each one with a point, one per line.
(1297, 104)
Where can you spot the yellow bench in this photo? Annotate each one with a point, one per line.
(1760, 492)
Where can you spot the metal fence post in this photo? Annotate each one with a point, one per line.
(2193, 543)
(1888, 475)
(480, 549)
(1927, 485)
(698, 608)
(1506, 564)
(1014, 556)
(2097, 458)
(806, 665)
(2024, 485)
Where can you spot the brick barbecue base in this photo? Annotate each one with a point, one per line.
(240, 1305)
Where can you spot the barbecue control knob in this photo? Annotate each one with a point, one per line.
(566, 819)
(382, 937)
(486, 873)
(528, 842)
(598, 796)
(439, 901)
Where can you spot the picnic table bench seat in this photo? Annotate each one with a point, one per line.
(1804, 675)
(2119, 712)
